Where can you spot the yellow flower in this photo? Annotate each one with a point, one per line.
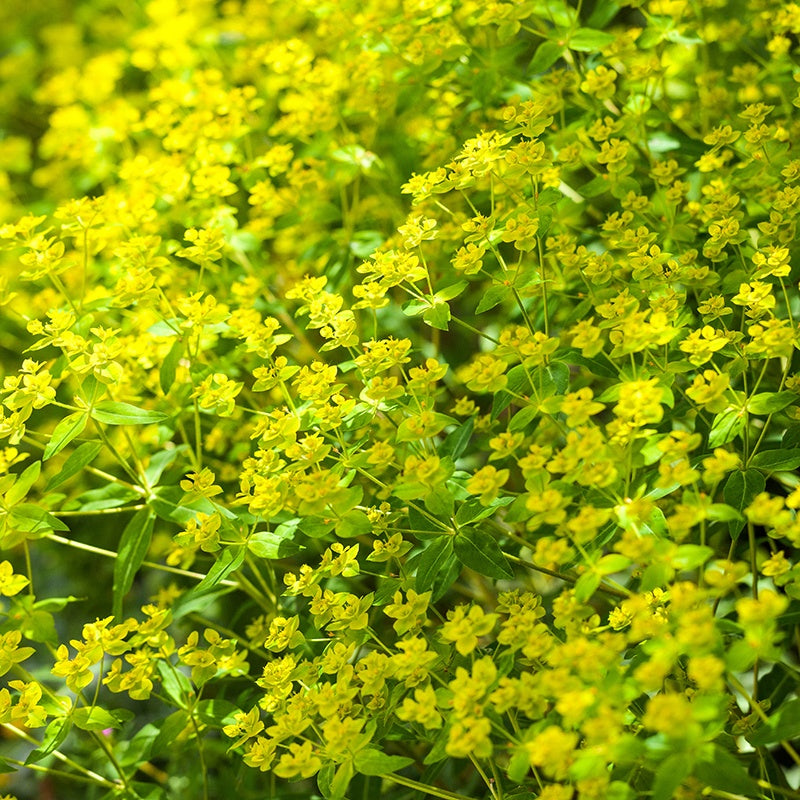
(465, 625)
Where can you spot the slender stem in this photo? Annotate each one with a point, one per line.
(99, 511)
(425, 788)
(90, 775)
(756, 708)
(90, 548)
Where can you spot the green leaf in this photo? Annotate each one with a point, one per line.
(111, 413)
(776, 460)
(472, 510)
(370, 761)
(670, 774)
(170, 729)
(613, 562)
(133, 548)
(325, 779)
(770, 402)
(523, 418)
(216, 712)
(229, 561)
(83, 455)
(66, 430)
(479, 550)
(341, 780)
(491, 297)
(432, 559)
(414, 307)
(159, 462)
(725, 773)
(655, 576)
(175, 684)
(365, 243)
(547, 53)
(169, 366)
(552, 379)
(353, 523)
(739, 491)
(112, 495)
(691, 556)
(23, 483)
(440, 502)
(31, 518)
(587, 585)
(727, 426)
(519, 765)
(603, 13)
(193, 601)
(273, 544)
(588, 39)
(720, 512)
(54, 735)
(661, 142)
(782, 726)
(437, 315)
(452, 291)
(94, 718)
(456, 441)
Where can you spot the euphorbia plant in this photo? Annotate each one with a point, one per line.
(399, 400)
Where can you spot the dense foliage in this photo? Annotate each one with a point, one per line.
(398, 399)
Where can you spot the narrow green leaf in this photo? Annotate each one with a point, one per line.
(111, 413)
(431, 560)
(782, 726)
(492, 297)
(273, 544)
(159, 462)
(720, 512)
(229, 561)
(547, 53)
(770, 402)
(452, 291)
(174, 683)
(726, 427)
(670, 774)
(353, 523)
(472, 510)
(739, 491)
(613, 562)
(725, 773)
(112, 495)
(54, 735)
(776, 460)
(587, 585)
(23, 483)
(588, 39)
(370, 761)
(440, 502)
(456, 441)
(691, 556)
(479, 550)
(169, 366)
(216, 712)
(133, 548)
(341, 780)
(83, 455)
(603, 13)
(94, 718)
(66, 430)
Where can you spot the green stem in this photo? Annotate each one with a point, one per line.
(425, 788)
(90, 548)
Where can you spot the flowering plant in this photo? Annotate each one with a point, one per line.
(398, 399)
